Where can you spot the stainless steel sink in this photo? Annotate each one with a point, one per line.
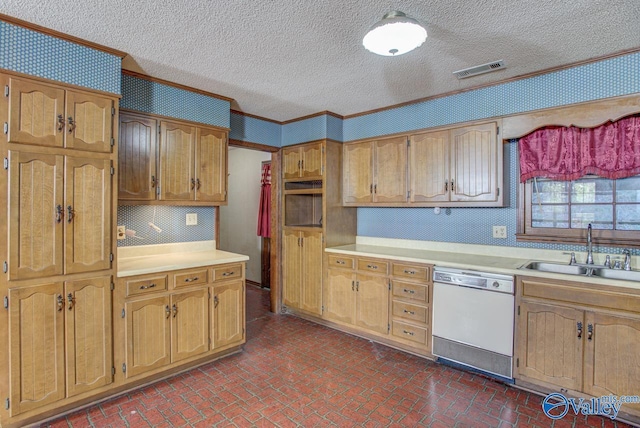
(625, 275)
(556, 268)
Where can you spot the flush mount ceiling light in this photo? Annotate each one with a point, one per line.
(394, 35)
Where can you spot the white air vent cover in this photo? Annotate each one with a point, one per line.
(480, 69)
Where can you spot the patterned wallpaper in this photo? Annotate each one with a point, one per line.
(37, 54)
(168, 218)
(245, 128)
(153, 97)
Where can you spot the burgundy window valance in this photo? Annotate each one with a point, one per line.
(611, 150)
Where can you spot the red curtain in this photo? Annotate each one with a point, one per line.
(264, 212)
(611, 150)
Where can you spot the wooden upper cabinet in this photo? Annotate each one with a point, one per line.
(177, 161)
(211, 165)
(474, 163)
(36, 212)
(429, 166)
(228, 314)
(390, 170)
(137, 178)
(357, 178)
(88, 334)
(46, 115)
(87, 214)
(89, 120)
(36, 113)
(36, 332)
(303, 162)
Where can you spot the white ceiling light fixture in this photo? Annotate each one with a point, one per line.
(394, 35)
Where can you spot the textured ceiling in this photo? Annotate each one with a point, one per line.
(283, 59)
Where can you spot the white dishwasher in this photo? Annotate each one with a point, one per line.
(473, 316)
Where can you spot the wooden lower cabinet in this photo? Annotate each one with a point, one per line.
(60, 334)
(578, 340)
(228, 315)
(302, 270)
(340, 299)
(189, 324)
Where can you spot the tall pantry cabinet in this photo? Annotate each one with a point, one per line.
(313, 219)
(59, 154)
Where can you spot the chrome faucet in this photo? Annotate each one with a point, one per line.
(589, 246)
(627, 259)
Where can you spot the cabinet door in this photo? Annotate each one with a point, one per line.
(340, 296)
(137, 177)
(211, 161)
(148, 335)
(177, 152)
(89, 122)
(311, 278)
(189, 324)
(311, 160)
(88, 334)
(291, 163)
(358, 173)
(429, 167)
(36, 213)
(87, 214)
(549, 344)
(291, 268)
(390, 170)
(372, 303)
(474, 168)
(612, 357)
(36, 331)
(36, 114)
(227, 315)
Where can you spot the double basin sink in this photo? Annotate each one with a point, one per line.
(583, 270)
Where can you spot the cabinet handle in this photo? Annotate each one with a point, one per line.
(408, 291)
(193, 184)
(302, 242)
(60, 122)
(228, 273)
(589, 332)
(299, 167)
(410, 272)
(195, 278)
(72, 124)
(302, 164)
(372, 266)
(175, 310)
(167, 311)
(453, 189)
(340, 262)
(153, 181)
(579, 325)
(144, 287)
(375, 188)
(60, 302)
(70, 213)
(215, 301)
(70, 300)
(409, 312)
(410, 333)
(59, 213)
(446, 185)
(357, 285)
(353, 286)
(197, 184)
(370, 188)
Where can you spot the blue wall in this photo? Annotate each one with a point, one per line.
(246, 128)
(37, 54)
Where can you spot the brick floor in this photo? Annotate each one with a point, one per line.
(294, 373)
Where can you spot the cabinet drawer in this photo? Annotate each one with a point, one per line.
(341, 262)
(411, 312)
(147, 285)
(227, 272)
(193, 277)
(419, 335)
(408, 290)
(373, 266)
(419, 273)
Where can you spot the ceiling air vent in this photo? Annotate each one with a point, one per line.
(480, 69)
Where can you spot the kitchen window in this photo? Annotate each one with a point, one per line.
(559, 211)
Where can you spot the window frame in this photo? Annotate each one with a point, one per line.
(527, 233)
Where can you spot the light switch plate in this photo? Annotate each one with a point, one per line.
(121, 232)
(500, 232)
(192, 219)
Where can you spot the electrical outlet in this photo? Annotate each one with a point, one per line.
(121, 232)
(500, 232)
(192, 219)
